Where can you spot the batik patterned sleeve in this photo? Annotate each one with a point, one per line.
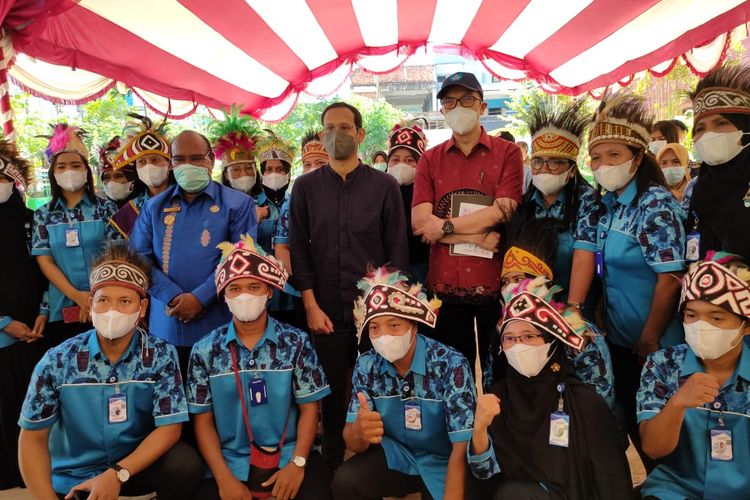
(360, 383)
(460, 398)
(40, 236)
(593, 366)
(282, 226)
(108, 210)
(484, 465)
(310, 382)
(655, 389)
(198, 387)
(587, 220)
(170, 405)
(42, 402)
(661, 230)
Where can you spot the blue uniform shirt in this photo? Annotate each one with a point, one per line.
(639, 239)
(267, 227)
(70, 392)
(180, 238)
(440, 384)
(688, 195)
(689, 472)
(583, 237)
(284, 358)
(593, 366)
(282, 228)
(86, 224)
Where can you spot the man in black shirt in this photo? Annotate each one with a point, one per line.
(343, 217)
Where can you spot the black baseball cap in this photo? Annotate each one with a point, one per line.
(462, 79)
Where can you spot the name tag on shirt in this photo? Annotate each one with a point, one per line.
(71, 238)
(118, 409)
(258, 395)
(559, 429)
(692, 249)
(413, 416)
(721, 445)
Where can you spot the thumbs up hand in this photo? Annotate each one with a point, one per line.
(369, 424)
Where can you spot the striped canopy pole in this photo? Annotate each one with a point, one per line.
(6, 110)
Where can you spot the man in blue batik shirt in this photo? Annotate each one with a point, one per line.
(694, 399)
(255, 384)
(411, 413)
(104, 410)
(178, 231)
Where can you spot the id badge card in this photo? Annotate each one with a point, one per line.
(692, 249)
(71, 238)
(118, 409)
(599, 263)
(559, 429)
(721, 445)
(258, 395)
(413, 416)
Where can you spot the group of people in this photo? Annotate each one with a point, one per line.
(191, 337)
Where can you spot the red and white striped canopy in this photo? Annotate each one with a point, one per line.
(264, 53)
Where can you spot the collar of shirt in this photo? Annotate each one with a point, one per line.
(85, 200)
(692, 365)
(269, 334)
(95, 348)
(559, 200)
(627, 196)
(418, 363)
(212, 191)
(358, 170)
(484, 140)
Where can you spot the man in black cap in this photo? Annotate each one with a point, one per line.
(474, 163)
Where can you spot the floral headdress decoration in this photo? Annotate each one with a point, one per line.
(234, 137)
(66, 139)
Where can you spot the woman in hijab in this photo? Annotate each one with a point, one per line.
(541, 433)
(674, 163)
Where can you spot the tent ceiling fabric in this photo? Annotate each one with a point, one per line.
(263, 54)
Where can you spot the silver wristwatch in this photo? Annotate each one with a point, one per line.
(122, 474)
(299, 461)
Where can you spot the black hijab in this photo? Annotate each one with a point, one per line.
(23, 284)
(593, 465)
(723, 218)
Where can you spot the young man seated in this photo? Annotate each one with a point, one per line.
(694, 399)
(412, 405)
(104, 410)
(253, 388)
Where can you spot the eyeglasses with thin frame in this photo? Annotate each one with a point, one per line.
(524, 339)
(466, 101)
(193, 159)
(553, 164)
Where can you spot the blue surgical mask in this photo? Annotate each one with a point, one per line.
(192, 178)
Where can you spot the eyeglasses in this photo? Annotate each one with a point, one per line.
(181, 160)
(553, 164)
(524, 339)
(466, 101)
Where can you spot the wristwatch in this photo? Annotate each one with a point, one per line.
(448, 227)
(122, 474)
(299, 461)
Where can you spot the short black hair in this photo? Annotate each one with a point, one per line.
(341, 104)
(668, 129)
(680, 125)
(504, 134)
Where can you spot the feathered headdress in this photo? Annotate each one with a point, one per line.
(622, 119)
(65, 139)
(234, 137)
(388, 292)
(107, 154)
(409, 136)
(13, 166)
(312, 147)
(556, 129)
(532, 301)
(273, 147)
(142, 137)
(723, 90)
(723, 279)
(245, 259)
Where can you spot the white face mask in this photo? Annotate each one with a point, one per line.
(549, 184)
(393, 347)
(655, 146)
(244, 183)
(403, 172)
(710, 342)
(381, 165)
(152, 175)
(6, 189)
(528, 360)
(673, 175)
(614, 177)
(461, 120)
(118, 191)
(71, 180)
(715, 148)
(114, 324)
(246, 307)
(275, 181)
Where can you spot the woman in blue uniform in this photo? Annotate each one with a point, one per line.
(69, 232)
(640, 245)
